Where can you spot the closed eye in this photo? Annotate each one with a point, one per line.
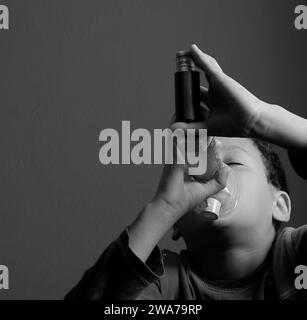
(234, 164)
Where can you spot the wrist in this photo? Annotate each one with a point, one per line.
(276, 125)
(162, 210)
(148, 228)
(259, 125)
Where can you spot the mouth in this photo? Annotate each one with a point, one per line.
(220, 206)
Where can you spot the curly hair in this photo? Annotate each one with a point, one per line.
(274, 170)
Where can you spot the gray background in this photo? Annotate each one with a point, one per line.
(69, 69)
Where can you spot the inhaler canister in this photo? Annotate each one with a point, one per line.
(187, 100)
(187, 89)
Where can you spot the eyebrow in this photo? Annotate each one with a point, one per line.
(233, 147)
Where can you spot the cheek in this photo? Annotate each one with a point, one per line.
(255, 197)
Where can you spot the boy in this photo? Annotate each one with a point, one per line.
(247, 254)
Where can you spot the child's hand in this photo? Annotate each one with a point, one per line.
(177, 193)
(234, 111)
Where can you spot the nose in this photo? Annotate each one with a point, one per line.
(218, 142)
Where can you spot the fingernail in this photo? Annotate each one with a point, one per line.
(195, 47)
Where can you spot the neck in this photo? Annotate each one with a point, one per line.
(225, 256)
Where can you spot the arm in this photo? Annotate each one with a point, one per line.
(119, 274)
(133, 261)
(283, 128)
(176, 195)
(244, 115)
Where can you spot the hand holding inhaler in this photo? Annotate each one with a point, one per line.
(188, 110)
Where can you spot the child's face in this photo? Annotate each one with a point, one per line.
(256, 194)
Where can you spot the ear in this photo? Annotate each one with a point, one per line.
(176, 232)
(282, 207)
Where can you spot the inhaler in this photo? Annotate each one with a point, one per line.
(187, 101)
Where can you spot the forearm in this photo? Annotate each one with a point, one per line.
(119, 274)
(148, 228)
(281, 127)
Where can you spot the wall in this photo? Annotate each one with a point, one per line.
(71, 68)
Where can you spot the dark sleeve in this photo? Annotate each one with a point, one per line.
(119, 274)
(299, 237)
(298, 161)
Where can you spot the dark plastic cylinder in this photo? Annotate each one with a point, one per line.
(187, 96)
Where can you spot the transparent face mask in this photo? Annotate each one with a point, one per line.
(226, 200)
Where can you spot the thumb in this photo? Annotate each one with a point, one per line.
(205, 62)
(201, 191)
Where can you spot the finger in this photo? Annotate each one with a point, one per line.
(174, 169)
(205, 112)
(179, 125)
(173, 174)
(172, 120)
(201, 191)
(204, 93)
(191, 125)
(187, 129)
(205, 62)
(204, 103)
(185, 125)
